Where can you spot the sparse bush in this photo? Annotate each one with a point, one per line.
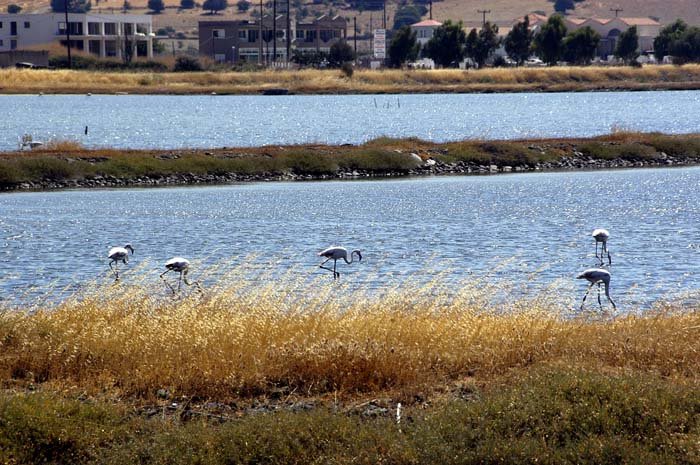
(185, 63)
(347, 69)
(13, 9)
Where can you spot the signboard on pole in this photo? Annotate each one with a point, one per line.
(380, 43)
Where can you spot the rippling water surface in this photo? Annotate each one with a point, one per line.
(148, 121)
(505, 227)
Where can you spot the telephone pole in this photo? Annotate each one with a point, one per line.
(70, 62)
(260, 56)
(354, 33)
(616, 10)
(483, 13)
(289, 35)
(431, 9)
(384, 21)
(274, 32)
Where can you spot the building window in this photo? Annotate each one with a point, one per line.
(0, 24)
(218, 33)
(94, 47)
(128, 29)
(94, 29)
(110, 29)
(26, 24)
(74, 28)
(300, 34)
(220, 57)
(2, 44)
(13, 44)
(243, 34)
(110, 48)
(252, 35)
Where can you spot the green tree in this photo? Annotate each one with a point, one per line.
(669, 34)
(407, 15)
(486, 42)
(187, 4)
(686, 48)
(156, 5)
(518, 42)
(214, 5)
(580, 45)
(403, 47)
(243, 5)
(548, 42)
(74, 6)
(339, 54)
(627, 45)
(446, 47)
(13, 9)
(560, 6)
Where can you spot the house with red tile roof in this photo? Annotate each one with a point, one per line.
(425, 29)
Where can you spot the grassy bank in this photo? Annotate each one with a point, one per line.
(257, 374)
(363, 81)
(70, 165)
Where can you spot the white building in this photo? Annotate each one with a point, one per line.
(425, 30)
(105, 35)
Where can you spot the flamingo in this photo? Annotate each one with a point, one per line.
(182, 266)
(335, 253)
(602, 235)
(119, 254)
(597, 276)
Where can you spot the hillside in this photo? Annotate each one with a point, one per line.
(502, 11)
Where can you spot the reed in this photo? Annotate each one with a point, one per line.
(363, 81)
(243, 337)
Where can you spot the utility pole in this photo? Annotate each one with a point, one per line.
(371, 34)
(616, 10)
(260, 56)
(483, 13)
(70, 62)
(289, 35)
(384, 21)
(431, 9)
(354, 33)
(274, 32)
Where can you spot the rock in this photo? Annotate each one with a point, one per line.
(493, 168)
(507, 169)
(163, 393)
(430, 162)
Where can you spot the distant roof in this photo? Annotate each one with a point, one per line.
(427, 23)
(640, 22)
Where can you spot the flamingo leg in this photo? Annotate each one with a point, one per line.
(599, 302)
(336, 275)
(166, 281)
(179, 282)
(586, 295)
(193, 283)
(115, 269)
(326, 268)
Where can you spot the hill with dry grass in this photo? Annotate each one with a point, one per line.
(502, 12)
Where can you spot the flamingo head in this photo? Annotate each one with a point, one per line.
(129, 248)
(359, 255)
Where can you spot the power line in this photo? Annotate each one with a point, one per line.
(483, 13)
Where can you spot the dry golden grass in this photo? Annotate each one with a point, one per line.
(320, 338)
(363, 81)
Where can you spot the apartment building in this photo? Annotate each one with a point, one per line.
(252, 40)
(244, 40)
(104, 35)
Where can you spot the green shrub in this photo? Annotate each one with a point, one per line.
(185, 63)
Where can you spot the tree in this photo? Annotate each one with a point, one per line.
(560, 6)
(446, 47)
(13, 9)
(243, 5)
(214, 5)
(686, 47)
(669, 34)
(627, 45)
(156, 5)
(340, 53)
(548, 41)
(580, 45)
(486, 42)
(74, 6)
(187, 4)
(407, 15)
(403, 47)
(519, 41)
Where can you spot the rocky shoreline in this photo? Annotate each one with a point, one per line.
(429, 167)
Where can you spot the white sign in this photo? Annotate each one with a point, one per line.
(380, 43)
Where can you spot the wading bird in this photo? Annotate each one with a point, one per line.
(597, 276)
(335, 253)
(179, 265)
(119, 254)
(602, 235)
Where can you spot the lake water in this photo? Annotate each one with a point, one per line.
(504, 227)
(147, 121)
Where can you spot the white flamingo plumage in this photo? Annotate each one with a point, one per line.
(336, 253)
(179, 265)
(602, 236)
(119, 254)
(597, 276)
